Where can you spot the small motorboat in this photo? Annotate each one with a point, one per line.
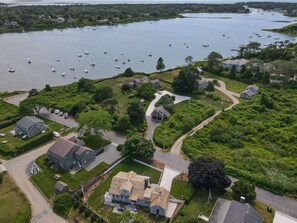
(118, 67)
(86, 71)
(124, 62)
(71, 68)
(58, 60)
(141, 61)
(205, 45)
(29, 60)
(74, 77)
(122, 54)
(170, 45)
(150, 55)
(63, 74)
(10, 70)
(115, 59)
(87, 53)
(105, 52)
(79, 55)
(128, 60)
(187, 46)
(53, 70)
(92, 64)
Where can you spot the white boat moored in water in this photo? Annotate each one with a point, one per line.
(63, 74)
(86, 71)
(10, 70)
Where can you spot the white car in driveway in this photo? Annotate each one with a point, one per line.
(56, 134)
(4, 142)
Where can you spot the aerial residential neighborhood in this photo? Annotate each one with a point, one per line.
(124, 113)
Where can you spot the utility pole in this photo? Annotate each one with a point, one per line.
(164, 143)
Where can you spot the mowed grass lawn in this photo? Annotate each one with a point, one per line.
(96, 199)
(46, 182)
(232, 85)
(197, 202)
(14, 207)
(16, 141)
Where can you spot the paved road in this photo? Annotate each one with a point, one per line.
(69, 122)
(282, 218)
(18, 168)
(16, 99)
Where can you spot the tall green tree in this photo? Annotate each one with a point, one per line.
(33, 105)
(123, 123)
(137, 147)
(233, 72)
(129, 72)
(94, 121)
(213, 60)
(245, 189)
(62, 204)
(206, 172)
(189, 60)
(186, 81)
(103, 93)
(136, 113)
(110, 105)
(160, 64)
(85, 85)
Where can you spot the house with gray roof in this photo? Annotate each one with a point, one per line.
(160, 114)
(202, 83)
(61, 187)
(249, 92)
(156, 83)
(226, 211)
(68, 155)
(29, 126)
(237, 63)
(138, 81)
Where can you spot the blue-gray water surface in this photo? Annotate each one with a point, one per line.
(135, 41)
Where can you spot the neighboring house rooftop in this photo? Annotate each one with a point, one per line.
(159, 196)
(238, 62)
(161, 110)
(28, 121)
(226, 211)
(62, 147)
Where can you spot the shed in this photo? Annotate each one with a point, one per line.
(61, 187)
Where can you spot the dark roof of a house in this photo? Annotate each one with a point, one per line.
(162, 110)
(241, 212)
(77, 141)
(226, 211)
(62, 147)
(28, 121)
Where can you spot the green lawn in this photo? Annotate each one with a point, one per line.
(14, 207)
(46, 182)
(16, 141)
(182, 190)
(7, 111)
(231, 85)
(186, 115)
(95, 141)
(166, 76)
(96, 199)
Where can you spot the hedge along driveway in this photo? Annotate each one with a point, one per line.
(46, 182)
(186, 115)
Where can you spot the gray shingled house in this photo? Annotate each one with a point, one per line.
(69, 155)
(61, 187)
(160, 114)
(226, 211)
(29, 126)
(249, 92)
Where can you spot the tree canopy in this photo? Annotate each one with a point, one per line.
(103, 93)
(62, 204)
(213, 61)
(136, 113)
(245, 189)
(94, 121)
(160, 64)
(146, 91)
(186, 81)
(166, 101)
(137, 147)
(207, 173)
(85, 85)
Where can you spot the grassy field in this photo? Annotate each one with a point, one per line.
(46, 182)
(186, 115)
(256, 142)
(96, 199)
(7, 111)
(16, 141)
(231, 85)
(95, 141)
(166, 76)
(14, 207)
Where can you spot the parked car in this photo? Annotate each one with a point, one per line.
(56, 134)
(121, 207)
(99, 151)
(61, 113)
(4, 142)
(52, 110)
(2, 135)
(57, 111)
(1, 161)
(66, 115)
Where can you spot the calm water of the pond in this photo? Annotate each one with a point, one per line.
(134, 41)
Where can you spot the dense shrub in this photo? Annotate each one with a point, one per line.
(62, 204)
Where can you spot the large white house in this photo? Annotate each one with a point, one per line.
(128, 187)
